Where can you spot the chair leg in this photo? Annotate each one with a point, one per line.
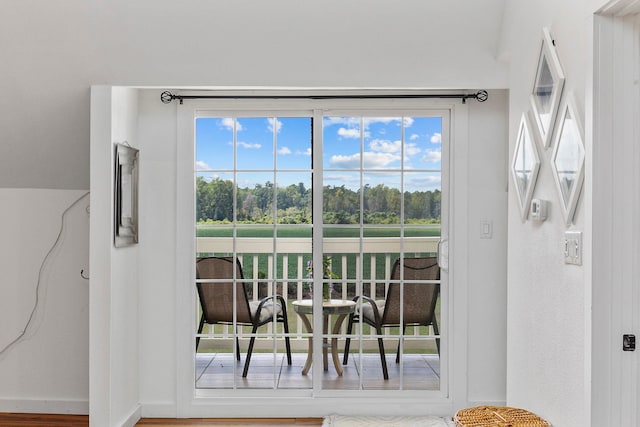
(285, 321)
(199, 331)
(399, 341)
(383, 359)
(437, 332)
(347, 341)
(249, 351)
(237, 345)
(287, 343)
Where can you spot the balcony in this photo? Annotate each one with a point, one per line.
(358, 272)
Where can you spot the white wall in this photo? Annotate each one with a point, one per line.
(616, 235)
(548, 325)
(484, 273)
(53, 52)
(157, 132)
(47, 370)
(114, 294)
(487, 274)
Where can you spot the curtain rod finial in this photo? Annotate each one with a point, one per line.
(166, 97)
(482, 95)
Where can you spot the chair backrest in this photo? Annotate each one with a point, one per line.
(419, 298)
(216, 299)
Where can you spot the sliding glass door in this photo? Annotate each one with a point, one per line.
(317, 230)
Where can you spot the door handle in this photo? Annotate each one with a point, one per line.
(443, 254)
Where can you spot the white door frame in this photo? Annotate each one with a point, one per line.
(612, 165)
(189, 405)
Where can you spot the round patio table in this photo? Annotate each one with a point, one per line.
(339, 307)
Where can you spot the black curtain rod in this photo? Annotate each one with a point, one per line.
(166, 97)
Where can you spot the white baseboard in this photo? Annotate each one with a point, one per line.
(132, 419)
(159, 410)
(36, 406)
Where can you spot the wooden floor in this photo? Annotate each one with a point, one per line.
(52, 420)
(420, 372)
(41, 420)
(231, 422)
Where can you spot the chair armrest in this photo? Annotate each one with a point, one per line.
(372, 303)
(283, 305)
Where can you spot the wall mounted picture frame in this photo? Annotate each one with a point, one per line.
(547, 88)
(567, 160)
(525, 165)
(125, 196)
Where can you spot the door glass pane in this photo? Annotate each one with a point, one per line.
(254, 143)
(381, 208)
(341, 141)
(382, 223)
(249, 270)
(382, 142)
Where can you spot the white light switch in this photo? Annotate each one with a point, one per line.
(573, 247)
(486, 229)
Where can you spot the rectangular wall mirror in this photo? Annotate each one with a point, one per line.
(125, 196)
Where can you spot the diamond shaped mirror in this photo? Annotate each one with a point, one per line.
(567, 161)
(525, 165)
(547, 88)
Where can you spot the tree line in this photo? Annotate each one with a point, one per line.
(341, 205)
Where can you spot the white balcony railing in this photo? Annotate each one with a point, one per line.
(256, 255)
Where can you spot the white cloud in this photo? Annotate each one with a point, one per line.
(432, 156)
(436, 138)
(408, 121)
(347, 162)
(349, 133)
(228, 123)
(347, 121)
(414, 136)
(384, 120)
(307, 152)
(284, 151)
(274, 123)
(200, 165)
(350, 181)
(370, 160)
(379, 160)
(423, 183)
(385, 146)
(249, 145)
(393, 147)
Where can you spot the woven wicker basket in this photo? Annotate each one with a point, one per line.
(498, 416)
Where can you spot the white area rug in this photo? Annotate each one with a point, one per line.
(371, 421)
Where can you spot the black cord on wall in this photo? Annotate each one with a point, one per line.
(39, 282)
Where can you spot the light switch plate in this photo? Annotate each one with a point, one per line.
(573, 247)
(486, 229)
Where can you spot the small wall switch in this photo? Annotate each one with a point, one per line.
(573, 247)
(486, 229)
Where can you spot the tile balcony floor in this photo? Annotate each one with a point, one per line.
(216, 370)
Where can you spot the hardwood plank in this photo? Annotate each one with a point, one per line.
(60, 420)
(40, 420)
(234, 422)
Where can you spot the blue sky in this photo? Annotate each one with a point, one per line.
(286, 141)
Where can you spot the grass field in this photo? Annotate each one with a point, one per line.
(284, 231)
